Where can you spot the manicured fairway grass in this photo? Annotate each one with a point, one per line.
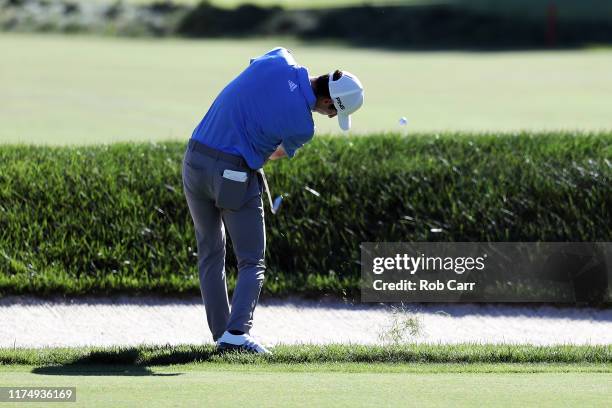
(222, 385)
(335, 375)
(92, 90)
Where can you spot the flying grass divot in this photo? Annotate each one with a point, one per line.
(404, 326)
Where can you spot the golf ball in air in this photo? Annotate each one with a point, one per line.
(403, 121)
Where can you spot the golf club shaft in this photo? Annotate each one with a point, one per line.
(265, 183)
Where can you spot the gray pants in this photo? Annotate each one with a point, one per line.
(201, 180)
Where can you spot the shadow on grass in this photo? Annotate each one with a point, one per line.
(115, 362)
(99, 370)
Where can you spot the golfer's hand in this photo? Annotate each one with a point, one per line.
(279, 153)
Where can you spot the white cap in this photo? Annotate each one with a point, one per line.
(347, 94)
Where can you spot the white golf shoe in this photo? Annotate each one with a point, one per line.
(240, 342)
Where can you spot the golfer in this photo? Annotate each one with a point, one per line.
(264, 114)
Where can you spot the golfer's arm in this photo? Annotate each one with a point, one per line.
(278, 154)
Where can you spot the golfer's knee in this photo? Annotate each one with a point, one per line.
(211, 257)
(252, 266)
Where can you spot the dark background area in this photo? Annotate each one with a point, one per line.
(463, 25)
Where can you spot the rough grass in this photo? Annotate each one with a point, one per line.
(312, 354)
(110, 219)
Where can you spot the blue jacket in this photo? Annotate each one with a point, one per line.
(270, 103)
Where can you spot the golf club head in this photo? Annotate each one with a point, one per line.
(277, 203)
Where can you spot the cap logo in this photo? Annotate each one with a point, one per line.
(339, 103)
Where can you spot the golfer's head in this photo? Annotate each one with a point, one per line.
(338, 94)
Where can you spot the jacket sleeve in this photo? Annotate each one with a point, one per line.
(292, 143)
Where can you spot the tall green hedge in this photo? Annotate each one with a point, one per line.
(106, 219)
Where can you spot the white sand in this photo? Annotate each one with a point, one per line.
(32, 322)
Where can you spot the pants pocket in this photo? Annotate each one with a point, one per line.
(231, 193)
